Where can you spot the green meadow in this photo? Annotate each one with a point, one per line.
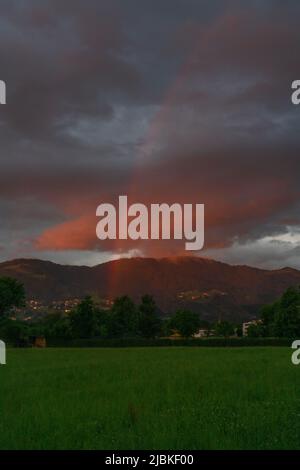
(150, 398)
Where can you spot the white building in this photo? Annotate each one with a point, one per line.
(202, 333)
(249, 323)
(2, 352)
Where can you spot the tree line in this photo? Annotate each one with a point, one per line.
(281, 318)
(126, 319)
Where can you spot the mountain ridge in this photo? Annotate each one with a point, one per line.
(215, 289)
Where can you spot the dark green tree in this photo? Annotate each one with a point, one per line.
(124, 318)
(282, 318)
(84, 319)
(287, 321)
(187, 323)
(149, 321)
(239, 330)
(256, 330)
(16, 332)
(56, 325)
(290, 297)
(12, 294)
(267, 313)
(224, 328)
(103, 319)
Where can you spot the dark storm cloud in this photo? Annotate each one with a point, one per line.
(180, 100)
(60, 62)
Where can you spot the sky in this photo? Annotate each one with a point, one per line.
(183, 101)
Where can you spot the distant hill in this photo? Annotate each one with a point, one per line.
(215, 289)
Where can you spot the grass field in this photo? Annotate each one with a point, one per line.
(150, 398)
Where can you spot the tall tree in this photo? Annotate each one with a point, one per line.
(185, 322)
(124, 317)
(84, 319)
(282, 318)
(149, 321)
(287, 321)
(224, 328)
(12, 294)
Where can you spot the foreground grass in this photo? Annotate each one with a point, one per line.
(150, 398)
